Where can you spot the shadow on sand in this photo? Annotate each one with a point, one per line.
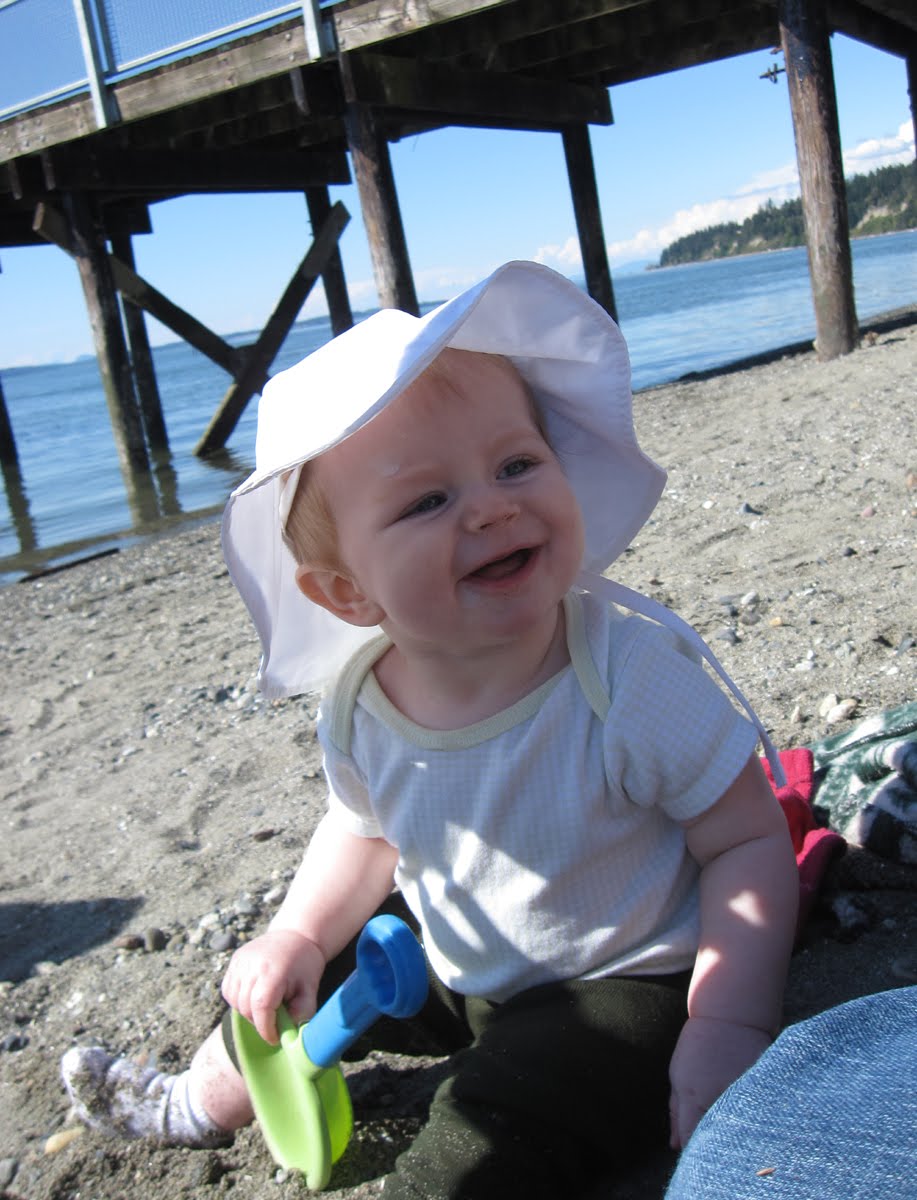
(34, 933)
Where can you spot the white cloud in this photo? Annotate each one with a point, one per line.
(778, 185)
(881, 152)
(441, 283)
(566, 257)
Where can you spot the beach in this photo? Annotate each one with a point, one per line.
(155, 806)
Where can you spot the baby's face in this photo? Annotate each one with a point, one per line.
(452, 513)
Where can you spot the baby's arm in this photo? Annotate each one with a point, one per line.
(749, 891)
(342, 881)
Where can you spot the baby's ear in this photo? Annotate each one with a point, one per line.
(339, 594)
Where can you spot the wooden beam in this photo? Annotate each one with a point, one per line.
(26, 188)
(9, 456)
(529, 51)
(383, 81)
(154, 426)
(613, 33)
(136, 289)
(49, 223)
(271, 52)
(268, 102)
(23, 178)
(92, 261)
(867, 26)
(16, 497)
(274, 108)
(129, 217)
(258, 358)
(372, 166)
(485, 26)
(804, 36)
(367, 21)
(644, 56)
(581, 173)
(333, 280)
(175, 171)
(498, 40)
(902, 12)
(16, 230)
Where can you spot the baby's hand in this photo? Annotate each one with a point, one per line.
(710, 1055)
(279, 967)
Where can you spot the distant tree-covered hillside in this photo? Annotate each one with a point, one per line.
(883, 201)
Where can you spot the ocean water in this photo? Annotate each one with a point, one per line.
(69, 499)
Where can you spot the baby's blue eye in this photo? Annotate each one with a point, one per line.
(518, 466)
(426, 504)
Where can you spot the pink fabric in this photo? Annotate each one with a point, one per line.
(815, 847)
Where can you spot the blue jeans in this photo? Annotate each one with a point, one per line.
(829, 1112)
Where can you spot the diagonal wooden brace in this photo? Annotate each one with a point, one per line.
(262, 353)
(53, 227)
(248, 365)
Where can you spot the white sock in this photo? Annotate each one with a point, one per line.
(122, 1099)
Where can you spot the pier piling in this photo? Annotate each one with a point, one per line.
(108, 334)
(372, 166)
(807, 54)
(9, 456)
(586, 210)
(333, 280)
(154, 425)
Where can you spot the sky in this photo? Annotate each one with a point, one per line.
(688, 149)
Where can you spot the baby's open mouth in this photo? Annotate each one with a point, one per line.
(503, 568)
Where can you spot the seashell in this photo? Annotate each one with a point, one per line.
(58, 1141)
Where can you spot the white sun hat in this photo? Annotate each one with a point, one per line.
(573, 358)
(575, 362)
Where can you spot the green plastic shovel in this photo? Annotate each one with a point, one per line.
(297, 1089)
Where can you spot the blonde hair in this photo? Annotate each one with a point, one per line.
(310, 531)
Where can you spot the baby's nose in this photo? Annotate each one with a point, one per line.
(489, 506)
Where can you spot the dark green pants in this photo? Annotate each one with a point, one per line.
(545, 1093)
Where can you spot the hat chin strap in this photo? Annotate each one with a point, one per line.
(617, 593)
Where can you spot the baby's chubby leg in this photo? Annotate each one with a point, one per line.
(217, 1084)
(200, 1107)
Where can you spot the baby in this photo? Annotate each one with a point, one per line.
(571, 812)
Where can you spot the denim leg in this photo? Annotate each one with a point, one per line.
(829, 1112)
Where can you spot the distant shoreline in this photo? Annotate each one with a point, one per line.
(694, 262)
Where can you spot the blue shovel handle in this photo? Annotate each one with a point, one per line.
(390, 980)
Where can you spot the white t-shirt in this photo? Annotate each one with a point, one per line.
(543, 843)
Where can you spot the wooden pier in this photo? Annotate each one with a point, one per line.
(298, 104)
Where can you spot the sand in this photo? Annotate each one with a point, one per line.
(154, 805)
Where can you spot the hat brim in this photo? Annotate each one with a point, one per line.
(564, 345)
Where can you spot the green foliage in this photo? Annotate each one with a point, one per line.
(883, 201)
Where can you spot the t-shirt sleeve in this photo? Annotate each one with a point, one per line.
(672, 736)
(348, 795)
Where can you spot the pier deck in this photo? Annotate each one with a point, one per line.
(261, 113)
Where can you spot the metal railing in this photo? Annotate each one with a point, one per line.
(51, 50)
